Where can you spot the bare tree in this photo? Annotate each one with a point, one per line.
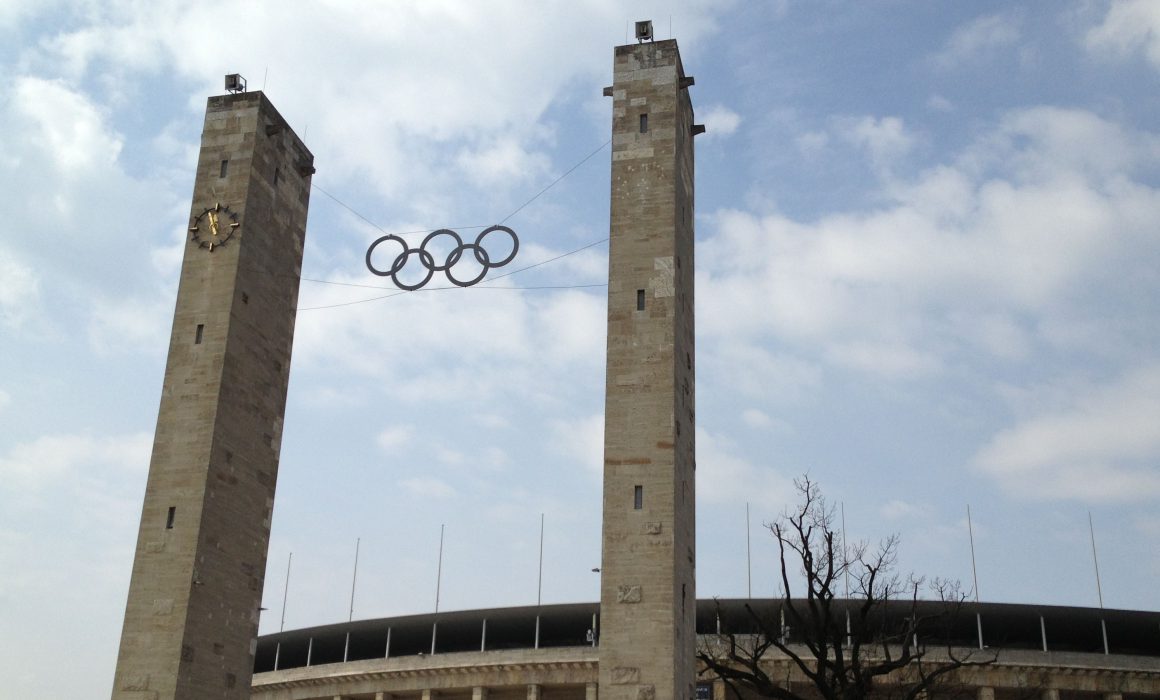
(880, 638)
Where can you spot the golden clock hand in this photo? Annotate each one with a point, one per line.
(213, 222)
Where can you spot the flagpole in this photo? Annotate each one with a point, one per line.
(975, 578)
(438, 585)
(350, 618)
(282, 624)
(1099, 589)
(846, 572)
(748, 555)
(540, 582)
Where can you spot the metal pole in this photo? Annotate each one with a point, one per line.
(974, 571)
(540, 580)
(309, 650)
(282, 624)
(350, 618)
(354, 578)
(1099, 589)
(846, 575)
(438, 585)
(845, 555)
(483, 637)
(748, 555)
(1043, 632)
(1095, 560)
(975, 577)
(540, 583)
(286, 592)
(387, 651)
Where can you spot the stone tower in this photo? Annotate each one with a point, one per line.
(647, 594)
(192, 615)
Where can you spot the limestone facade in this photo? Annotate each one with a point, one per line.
(647, 593)
(192, 613)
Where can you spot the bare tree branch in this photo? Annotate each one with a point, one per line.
(844, 649)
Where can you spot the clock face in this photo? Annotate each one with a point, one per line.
(214, 226)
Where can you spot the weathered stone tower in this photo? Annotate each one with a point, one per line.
(192, 616)
(647, 595)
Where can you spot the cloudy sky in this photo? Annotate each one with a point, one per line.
(928, 274)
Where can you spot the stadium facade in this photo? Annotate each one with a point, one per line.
(1039, 652)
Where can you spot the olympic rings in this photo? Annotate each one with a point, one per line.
(427, 260)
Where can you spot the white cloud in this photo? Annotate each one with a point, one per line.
(939, 103)
(897, 510)
(719, 120)
(582, 442)
(405, 118)
(725, 478)
(885, 139)
(428, 487)
(1102, 445)
(977, 38)
(117, 325)
(19, 291)
(756, 419)
(64, 125)
(1053, 145)
(750, 369)
(395, 436)
(1035, 214)
(892, 359)
(33, 466)
(812, 142)
(1128, 27)
(503, 161)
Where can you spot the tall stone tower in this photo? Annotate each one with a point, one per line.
(647, 594)
(192, 616)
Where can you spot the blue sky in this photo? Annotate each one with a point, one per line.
(927, 275)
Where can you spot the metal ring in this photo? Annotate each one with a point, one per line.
(484, 268)
(515, 244)
(399, 261)
(452, 257)
(427, 260)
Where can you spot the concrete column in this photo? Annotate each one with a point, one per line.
(590, 692)
(719, 689)
(427, 694)
(1113, 696)
(534, 692)
(478, 693)
(985, 694)
(1050, 694)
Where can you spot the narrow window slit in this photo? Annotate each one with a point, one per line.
(225, 168)
(644, 123)
(169, 518)
(640, 300)
(198, 333)
(637, 497)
